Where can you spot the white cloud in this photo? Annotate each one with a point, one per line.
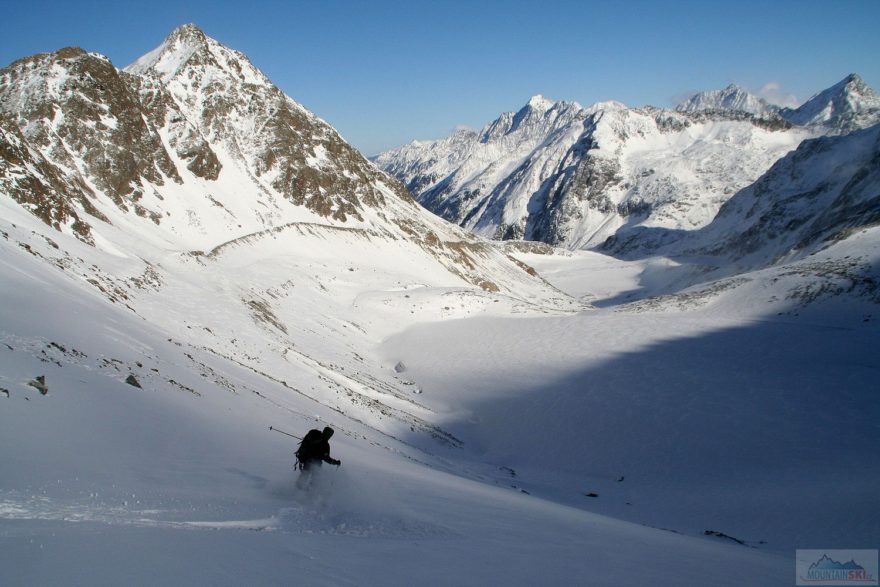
(773, 93)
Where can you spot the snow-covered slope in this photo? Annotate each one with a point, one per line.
(190, 175)
(710, 409)
(150, 456)
(179, 302)
(191, 148)
(573, 176)
(824, 192)
(844, 107)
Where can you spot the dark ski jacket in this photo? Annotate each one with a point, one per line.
(315, 448)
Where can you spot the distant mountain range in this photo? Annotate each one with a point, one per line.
(191, 148)
(823, 192)
(607, 175)
(731, 98)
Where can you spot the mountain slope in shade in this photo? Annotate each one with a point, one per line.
(822, 192)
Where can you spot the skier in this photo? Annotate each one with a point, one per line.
(315, 449)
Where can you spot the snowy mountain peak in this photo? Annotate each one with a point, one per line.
(564, 174)
(189, 32)
(192, 148)
(189, 47)
(538, 117)
(732, 97)
(854, 84)
(608, 105)
(539, 102)
(853, 89)
(848, 105)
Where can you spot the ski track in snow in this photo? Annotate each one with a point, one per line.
(13, 507)
(312, 515)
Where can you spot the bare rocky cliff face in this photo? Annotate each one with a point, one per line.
(81, 119)
(28, 178)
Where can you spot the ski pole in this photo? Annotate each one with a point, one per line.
(283, 432)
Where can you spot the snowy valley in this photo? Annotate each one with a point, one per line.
(189, 257)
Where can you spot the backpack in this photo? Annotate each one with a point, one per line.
(309, 448)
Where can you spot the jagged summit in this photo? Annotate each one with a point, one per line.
(851, 84)
(732, 98)
(566, 175)
(539, 116)
(855, 79)
(189, 46)
(188, 31)
(284, 147)
(848, 105)
(539, 102)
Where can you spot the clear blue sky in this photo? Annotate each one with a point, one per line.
(387, 72)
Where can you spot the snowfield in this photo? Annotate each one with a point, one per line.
(192, 263)
(470, 463)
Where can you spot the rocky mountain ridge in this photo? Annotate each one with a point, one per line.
(733, 98)
(610, 168)
(844, 107)
(191, 147)
(821, 193)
